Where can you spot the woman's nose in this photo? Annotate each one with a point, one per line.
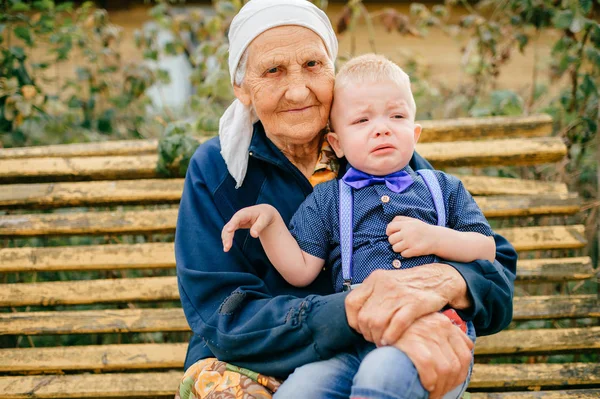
(297, 91)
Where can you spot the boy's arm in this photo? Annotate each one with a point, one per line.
(412, 237)
(296, 266)
(462, 246)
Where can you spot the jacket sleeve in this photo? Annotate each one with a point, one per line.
(490, 285)
(230, 307)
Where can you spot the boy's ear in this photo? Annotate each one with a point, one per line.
(334, 142)
(242, 94)
(418, 130)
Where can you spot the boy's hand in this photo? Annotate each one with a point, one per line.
(412, 237)
(255, 218)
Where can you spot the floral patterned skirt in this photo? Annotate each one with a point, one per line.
(213, 379)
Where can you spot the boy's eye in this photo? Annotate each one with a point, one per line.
(361, 120)
(398, 117)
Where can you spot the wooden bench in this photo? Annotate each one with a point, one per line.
(89, 297)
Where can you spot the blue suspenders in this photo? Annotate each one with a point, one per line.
(346, 215)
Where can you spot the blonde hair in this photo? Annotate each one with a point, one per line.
(374, 68)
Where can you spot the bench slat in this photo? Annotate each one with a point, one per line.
(93, 357)
(437, 130)
(172, 319)
(545, 237)
(543, 341)
(160, 255)
(77, 169)
(172, 355)
(88, 257)
(164, 384)
(466, 153)
(165, 220)
(564, 394)
(165, 288)
(119, 147)
(151, 191)
(498, 127)
(510, 206)
(90, 291)
(532, 375)
(510, 152)
(558, 269)
(129, 385)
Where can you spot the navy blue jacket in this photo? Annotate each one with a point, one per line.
(238, 306)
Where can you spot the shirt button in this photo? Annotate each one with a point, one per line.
(396, 263)
(385, 199)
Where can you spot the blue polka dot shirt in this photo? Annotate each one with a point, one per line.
(315, 225)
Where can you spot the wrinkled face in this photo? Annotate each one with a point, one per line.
(374, 127)
(289, 82)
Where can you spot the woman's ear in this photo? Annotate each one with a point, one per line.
(334, 142)
(243, 94)
(418, 130)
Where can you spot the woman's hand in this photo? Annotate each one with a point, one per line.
(256, 218)
(440, 351)
(389, 301)
(412, 237)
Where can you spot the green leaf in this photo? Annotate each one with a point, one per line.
(588, 87)
(66, 6)
(506, 102)
(44, 5)
(522, 39)
(19, 6)
(595, 35)
(151, 54)
(563, 19)
(22, 32)
(18, 53)
(577, 24)
(586, 6)
(2, 27)
(83, 73)
(593, 55)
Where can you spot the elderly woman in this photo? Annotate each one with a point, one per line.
(271, 150)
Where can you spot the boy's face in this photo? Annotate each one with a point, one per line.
(374, 127)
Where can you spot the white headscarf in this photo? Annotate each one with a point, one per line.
(257, 16)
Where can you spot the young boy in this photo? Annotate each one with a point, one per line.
(394, 217)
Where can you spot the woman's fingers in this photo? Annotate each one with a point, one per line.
(399, 322)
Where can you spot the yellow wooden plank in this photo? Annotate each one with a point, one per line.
(165, 220)
(545, 237)
(562, 394)
(93, 321)
(116, 222)
(171, 355)
(88, 257)
(485, 185)
(172, 319)
(90, 291)
(54, 195)
(534, 375)
(559, 269)
(496, 127)
(511, 152)
(80, 168)
(119, 147)
(129, 385)
(510, 206)
(545, 341)
(492, 152)
(94, 357)
(555, 307)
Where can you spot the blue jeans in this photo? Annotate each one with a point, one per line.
(368, 372)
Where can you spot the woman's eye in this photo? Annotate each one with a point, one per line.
(272, 70)
(398, 117)
(312, 64)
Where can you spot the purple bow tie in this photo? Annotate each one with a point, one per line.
(397, 182)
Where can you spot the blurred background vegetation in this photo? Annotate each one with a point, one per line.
(73, 72)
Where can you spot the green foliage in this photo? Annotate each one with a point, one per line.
(40, 106)
(175, 150)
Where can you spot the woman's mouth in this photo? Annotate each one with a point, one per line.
(298, 110)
